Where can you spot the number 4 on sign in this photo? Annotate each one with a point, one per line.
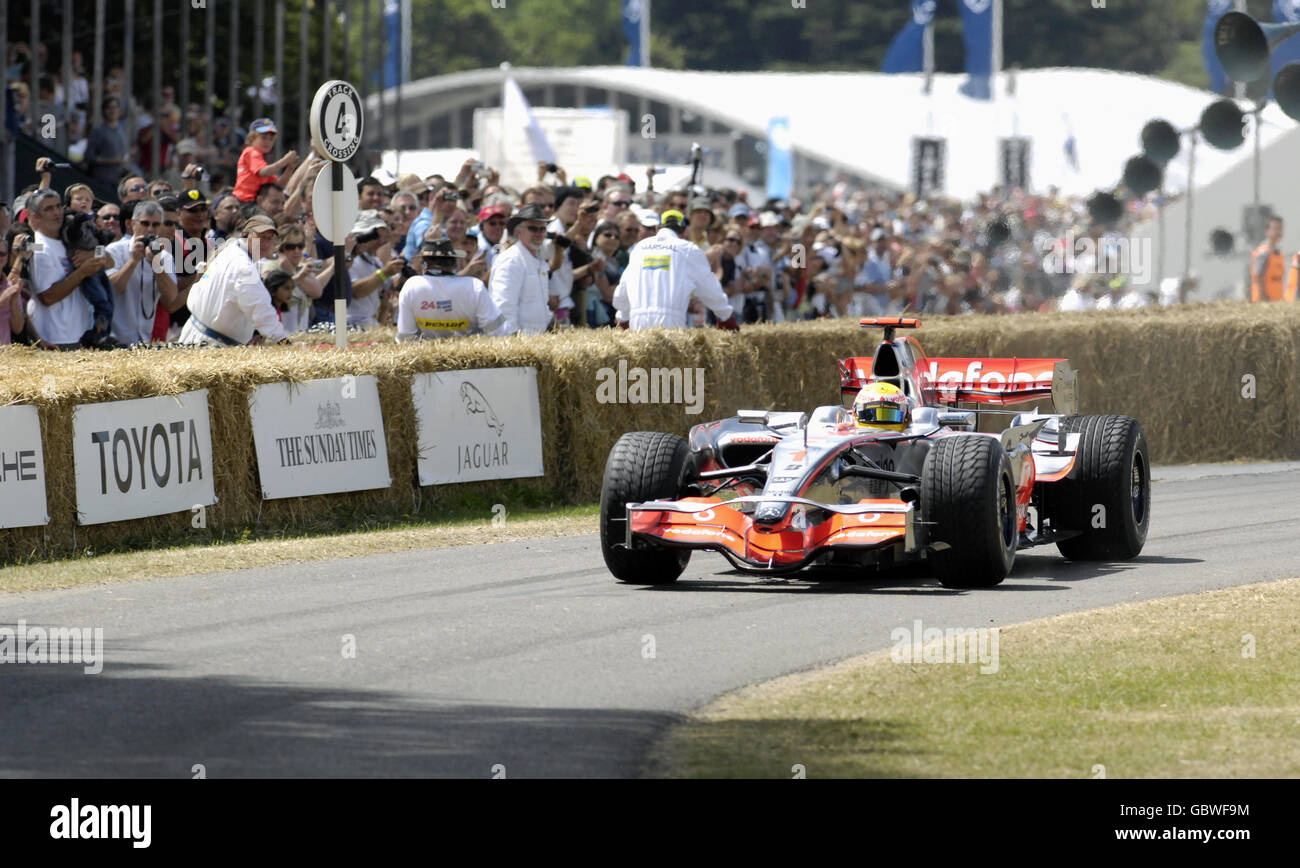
(346, 125)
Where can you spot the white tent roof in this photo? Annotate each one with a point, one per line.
(866, 121)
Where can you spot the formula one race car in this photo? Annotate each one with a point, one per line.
(775, 492)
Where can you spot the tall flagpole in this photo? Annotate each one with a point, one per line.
(927, 55)
(645, 32)
(997, 49)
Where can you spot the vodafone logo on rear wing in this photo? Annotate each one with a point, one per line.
(990, 375)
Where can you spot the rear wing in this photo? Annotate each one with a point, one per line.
(996, 382)
(1000, 382)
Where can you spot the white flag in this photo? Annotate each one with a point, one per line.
(517, 115)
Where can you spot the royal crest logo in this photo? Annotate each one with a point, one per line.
(329, 415)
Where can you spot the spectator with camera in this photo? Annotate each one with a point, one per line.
(142, 275)
(605, 271)
(62, 315)
(308, 277)
(368, 272)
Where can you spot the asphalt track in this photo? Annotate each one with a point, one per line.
(527, 655)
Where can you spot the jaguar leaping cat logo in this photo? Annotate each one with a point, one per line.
(476, 403)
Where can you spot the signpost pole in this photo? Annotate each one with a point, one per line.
(340, 294)
(336, 123)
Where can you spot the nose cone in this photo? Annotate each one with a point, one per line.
(771, 514)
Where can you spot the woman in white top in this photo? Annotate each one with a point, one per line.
(308, 283)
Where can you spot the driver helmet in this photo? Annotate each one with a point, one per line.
(882, 406)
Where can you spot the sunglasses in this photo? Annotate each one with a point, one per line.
(108, 217)
(138, 188)
(411, 208)
(147, 224)
(169, 223)
(292, 246)
(732, 240)
(533, 228)
(619, 203)
(495, 223)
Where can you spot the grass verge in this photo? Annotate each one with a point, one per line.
(463, 525)
(1203, 685)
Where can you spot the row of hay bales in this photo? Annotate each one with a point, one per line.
(1183, 372)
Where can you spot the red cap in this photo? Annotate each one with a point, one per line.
(755, 220)
(489, 211)
(624, 177)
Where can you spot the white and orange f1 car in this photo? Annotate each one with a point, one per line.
(775, 492)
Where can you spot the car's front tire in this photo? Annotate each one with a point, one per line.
(1107, 498)
(969, 497)
(643, 465)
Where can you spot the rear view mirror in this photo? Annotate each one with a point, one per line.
(961, 419)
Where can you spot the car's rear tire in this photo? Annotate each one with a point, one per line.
(643, 465)
(969, 496)
(1113, 472)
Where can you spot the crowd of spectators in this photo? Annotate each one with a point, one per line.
(836, 252)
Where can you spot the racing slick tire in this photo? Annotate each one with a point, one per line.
(968, 496)
(643, 465)
(1112, 472)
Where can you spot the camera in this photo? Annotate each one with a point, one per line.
(367, 237)
(152, 243)
(561, 241)
(551, 167)
(79, 232)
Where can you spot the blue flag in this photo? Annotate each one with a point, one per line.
(632, 31)
(907, 52)
(1213, 12)
(780, 160)
(977, 33)
(1284, 12)
(393, 40)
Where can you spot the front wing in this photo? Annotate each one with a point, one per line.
(728, 527)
